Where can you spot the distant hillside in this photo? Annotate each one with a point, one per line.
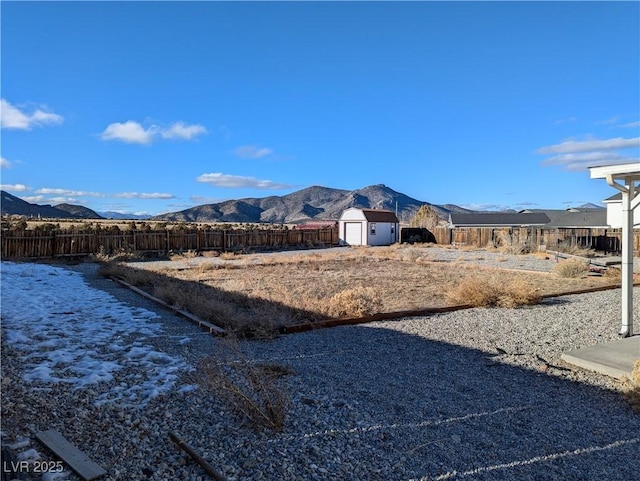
(119, 215)
(12, 205)
(317, 203)
(79, 211)
(590, 205)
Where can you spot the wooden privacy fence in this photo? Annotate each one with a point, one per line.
(58, 243)
(35, 244)
(602, 240)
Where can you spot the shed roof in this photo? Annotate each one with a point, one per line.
(377, 215)
(497, 219)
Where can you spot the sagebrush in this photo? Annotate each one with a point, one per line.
(571, 268)
(488, 292)
(358, 302)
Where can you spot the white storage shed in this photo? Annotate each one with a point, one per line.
(368, 227)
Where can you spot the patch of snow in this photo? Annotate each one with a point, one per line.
(67, 332)
(52, 476)
(29, 455)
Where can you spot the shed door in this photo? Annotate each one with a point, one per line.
(353, 233)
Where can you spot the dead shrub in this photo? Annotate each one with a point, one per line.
(180, 255)
(613, 273)
(124, 253)
(357, 302)
(633, 387)
(510, 245)
(571, 268)
(575, 250)
(480, 292)
(519, 293)
(410, 254)
(250, 389)
(135, 277)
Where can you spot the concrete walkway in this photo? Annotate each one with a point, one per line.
(615, 358)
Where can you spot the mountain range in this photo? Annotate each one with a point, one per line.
(312, 203)
(12, 205)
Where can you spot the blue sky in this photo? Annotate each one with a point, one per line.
(154, 107)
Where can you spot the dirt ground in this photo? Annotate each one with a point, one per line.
(293, 288)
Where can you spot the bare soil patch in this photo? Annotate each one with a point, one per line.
(254, 292)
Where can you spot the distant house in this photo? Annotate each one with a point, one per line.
(574, 218)
(370, 227)
(614, 212)
(498, 219)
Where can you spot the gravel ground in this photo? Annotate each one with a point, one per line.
(480, 257)
(462, 395)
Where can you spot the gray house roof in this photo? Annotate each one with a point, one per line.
(498, 219)
(614, 198)
(580, 218)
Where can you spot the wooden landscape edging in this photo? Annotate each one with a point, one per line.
(384, 316)
(76, 459)
(201, 323)
(210, 470)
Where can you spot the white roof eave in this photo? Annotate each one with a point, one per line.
(630, 172)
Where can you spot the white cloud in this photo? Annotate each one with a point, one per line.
(252, 152)
(181, 131)
(67, 195)
(132, 132)
(67, 192)
(35, 199)
(565, 121)
(11, 117)
(137, 195)
(224, 131)
(129, 132)
(486, 207)
(631, 125)
(577, 155)
(14, 187)
(62, 200)
(200, 199)
(236, 181)
(610, 121)
(4, 163)
(572, 146)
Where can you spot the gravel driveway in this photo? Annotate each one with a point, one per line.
(462, 395)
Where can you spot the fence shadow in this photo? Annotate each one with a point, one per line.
(409, 407)
(238, 313)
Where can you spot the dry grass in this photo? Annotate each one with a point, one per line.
(489, 292)
(633, 387)
(251, 299)
(358, 302)
(572, 268)
(613, 273)
(250, 389)
(576, 250)
(510, 245)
